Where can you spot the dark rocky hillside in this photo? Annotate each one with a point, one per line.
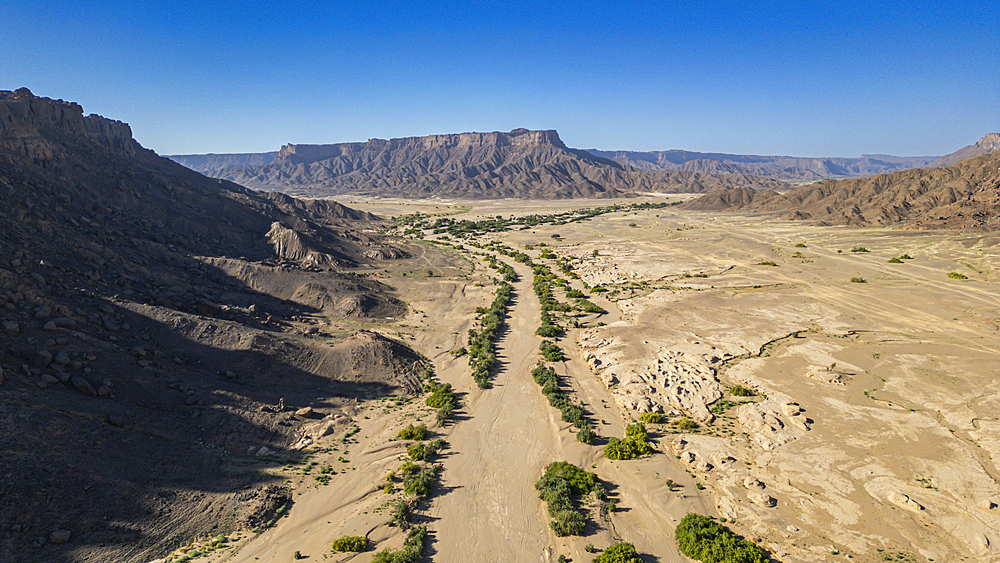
(157, 329)
(962, 196)
(518, 164)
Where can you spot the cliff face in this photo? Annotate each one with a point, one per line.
(514, 164)
(28, 126)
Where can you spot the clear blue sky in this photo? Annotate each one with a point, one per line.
(792, 78)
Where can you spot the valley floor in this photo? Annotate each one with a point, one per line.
(871, 434)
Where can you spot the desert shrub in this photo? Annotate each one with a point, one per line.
(686, 424)
(858, 280)
(859, 249)
(399, 515)
(634, 445)
(421, 482)
(441, 395)
(895, 261)
(411, 432)
(767, 263)
(652, 417)
(800, 245)
(568, 523)
(586, 434)
(589, 307)
(740, 391)
(460, 352)
(350, 543)
(560, 487)
(704, 539)
(574, 294)
(957, 276)
(550, 351)
(444, 413)
(417, 452)
(619, 553)
(906, 257)
(412, 551)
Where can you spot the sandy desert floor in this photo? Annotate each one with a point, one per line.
(872, 435)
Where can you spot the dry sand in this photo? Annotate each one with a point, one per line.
(874, 433)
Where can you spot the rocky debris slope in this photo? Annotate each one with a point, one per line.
(150, 331)
(962, 196)
(785, 168)
(519, 164)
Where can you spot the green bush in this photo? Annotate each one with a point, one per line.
(957, 276)
(800, 245)
(586, 434)
(420, 482)
(740, 391)
(350, 543)
(619, 553)
(767, 263)
(550, 351)
(895, 261)
(560, 487)
(906, 257)
(704, 539)
(859, 249)
(412, 551)
(686, 424)
(652, 417)
(858, 280)
(412, 432)
(417, 452)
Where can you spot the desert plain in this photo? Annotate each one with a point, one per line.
(870, 432)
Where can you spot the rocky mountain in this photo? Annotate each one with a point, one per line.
(785, 168)
(989, 143)
(207, 163)
(157, 325)
(517, 164)
(961, 196)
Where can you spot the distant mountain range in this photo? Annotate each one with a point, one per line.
(785, 168)
(515, 164)
(965, 195)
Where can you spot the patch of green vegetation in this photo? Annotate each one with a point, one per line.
(740, 391)
(561, 487)
(906, 257)
(686, 424)
(482, 343)
(547, 378)
(859, 249)
(767, 263)
(895, 261)
(412, 432)
(800, 245)
(635, 443)
(411, 552)
(622, 552)
(957, 276)
(652, 418)
(350, 543)
(705, 540)
(550, 351)
(858, 280)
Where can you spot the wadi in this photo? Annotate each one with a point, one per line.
(492, 347)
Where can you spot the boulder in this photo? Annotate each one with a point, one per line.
(82, 385)
(305, 412)
(60, 536)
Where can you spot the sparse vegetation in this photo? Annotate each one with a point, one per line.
(859, 249)
(895, 261)
(574, 414)
(957, 276)
(550, 351)
(411, 552)
(858, 280)
(482, 343)
(686, 424)
(767, 263)
(740, 391)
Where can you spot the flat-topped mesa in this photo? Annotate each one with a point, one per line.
(24, 118)
(300, 154)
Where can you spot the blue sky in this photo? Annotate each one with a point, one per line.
(791, 78)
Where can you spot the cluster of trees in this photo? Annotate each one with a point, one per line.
(561, 487)
(443, 399)
(424, 452)
(411, 552)
(574, 414)
(482, 343)
(411, 432)
(417, 480)
(635, 443)
(622, 552)
(550, 351)
(701, 538)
